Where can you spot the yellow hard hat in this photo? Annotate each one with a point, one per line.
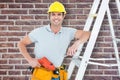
(57, 7)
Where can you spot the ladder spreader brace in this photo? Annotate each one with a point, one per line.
(82, 61)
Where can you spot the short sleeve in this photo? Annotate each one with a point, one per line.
(33, 35)
(72, 32)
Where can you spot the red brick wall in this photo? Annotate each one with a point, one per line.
(19, 17)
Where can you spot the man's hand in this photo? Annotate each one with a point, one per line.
(34, 62)
(73, 49)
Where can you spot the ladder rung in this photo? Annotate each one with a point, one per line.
(117, 39)
(98, 59)
(93, 15)
(78, 62)
(102, 64)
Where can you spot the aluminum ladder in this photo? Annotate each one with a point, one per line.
(82, 61)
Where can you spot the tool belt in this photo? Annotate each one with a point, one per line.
(47, 71)
(44, 74)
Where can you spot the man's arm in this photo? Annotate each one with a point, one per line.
(80, 37)
(22, 47)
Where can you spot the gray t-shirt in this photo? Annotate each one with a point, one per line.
(53, 46)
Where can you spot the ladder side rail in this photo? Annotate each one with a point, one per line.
(118, 5)
(92, 40)
(72, 64)
(113, 36)
(92, 12)
(86, 28)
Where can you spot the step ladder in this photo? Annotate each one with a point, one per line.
(118, 5)
(97, 13)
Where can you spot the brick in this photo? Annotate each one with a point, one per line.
(16, 33)
(3, 28)
(3, 39)
(97, 78)
(81, 17)
(2, 17)
(64, 23)
(70, 16)
(12, 56)
(3, 33)
(6, 1)
(28, 22)
(3, 61)
(27, 73)
(6, 44)
(114, 11)
(3, 73)
(13, 39)
(70, 6)
(21, 67)
(77, 22)
(27, 28)
(108, 39)
(75, 11)
(41, 6)
(96, 72)
(62, 1)
(92, 67)
(86, 11)
(35, 11)
(14, 61)
(14, 28)
(40, 17)
(14, 72)
(115, 78)
(3, 5)
(27, 17)
(97, 50)
(101, 55)
(14, 5)
(46, 22)
(3, 50)
(30, 50)
(111, 72)
(87, 5)
(6, 22)
(14, 77)
(6, 66)
(108, 50)
(104, 45)
(24, 61)
(27, 6)
(13, 11)
(103, 67)
(28, 1)
(13, 50)
(13, 17)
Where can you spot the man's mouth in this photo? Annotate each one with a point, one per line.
(56, 21)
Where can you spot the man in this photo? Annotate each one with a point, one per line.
(52, 40)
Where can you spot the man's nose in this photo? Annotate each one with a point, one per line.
(56, 16)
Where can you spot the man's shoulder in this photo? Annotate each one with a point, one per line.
(40, 28)
(68, 28)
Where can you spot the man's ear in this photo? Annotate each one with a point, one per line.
(64, 15)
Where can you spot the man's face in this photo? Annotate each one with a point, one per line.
(56, 18)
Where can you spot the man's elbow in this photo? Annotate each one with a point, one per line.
(88, 34)
(20, 44)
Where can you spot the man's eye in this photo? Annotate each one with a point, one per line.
(53, 14)
(59, 14)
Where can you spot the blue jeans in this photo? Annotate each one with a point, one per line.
(56, 78)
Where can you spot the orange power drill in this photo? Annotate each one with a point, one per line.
(46, 63)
